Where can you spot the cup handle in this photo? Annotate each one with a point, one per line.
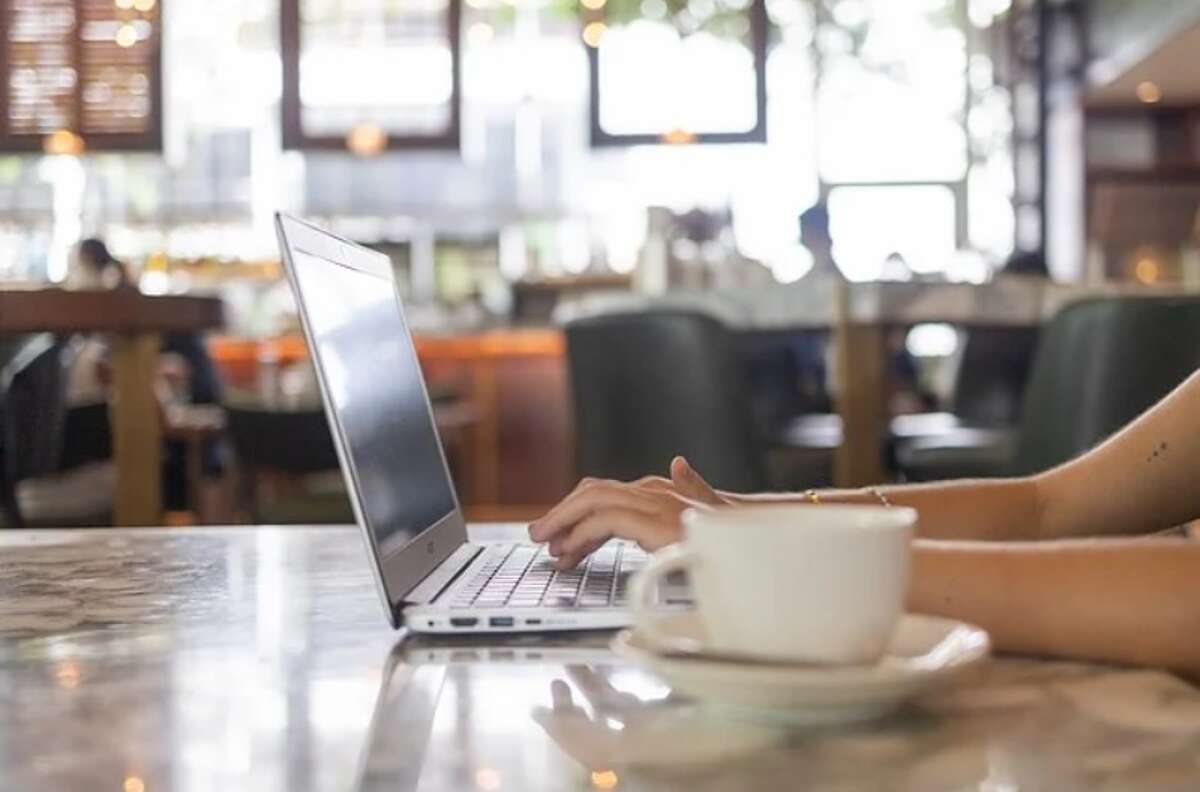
(642, 589)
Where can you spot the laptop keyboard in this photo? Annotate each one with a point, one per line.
(523, 576)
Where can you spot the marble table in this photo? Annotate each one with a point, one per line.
(259, 659)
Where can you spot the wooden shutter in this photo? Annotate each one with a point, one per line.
(91, 67)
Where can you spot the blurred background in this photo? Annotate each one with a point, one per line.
(806, 242)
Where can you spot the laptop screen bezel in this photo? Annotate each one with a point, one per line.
(397, 570)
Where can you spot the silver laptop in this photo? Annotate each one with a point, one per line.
(430, 577)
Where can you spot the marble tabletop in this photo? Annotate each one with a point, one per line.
(259, 659)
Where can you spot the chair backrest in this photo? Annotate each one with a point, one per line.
(1101, 363)
(650, 385)
(993, 374)
(33, 392)
(288, 441)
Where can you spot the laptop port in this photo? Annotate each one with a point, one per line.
(533, 621)
(463, 621)
(500, 621)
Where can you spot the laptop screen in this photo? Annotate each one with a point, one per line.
(375, 385)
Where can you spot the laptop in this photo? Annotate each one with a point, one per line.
(431, 578)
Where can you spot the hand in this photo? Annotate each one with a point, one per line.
(646, 511)
(625, 731)
(690, 484)
(616, 732)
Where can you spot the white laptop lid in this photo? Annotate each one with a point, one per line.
(377, 404)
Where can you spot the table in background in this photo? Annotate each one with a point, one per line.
(859, 317)
(516, 455)
(135, 323)
(258, 658)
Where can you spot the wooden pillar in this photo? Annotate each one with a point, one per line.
(136, 431)
(485, 446)
(861, 366)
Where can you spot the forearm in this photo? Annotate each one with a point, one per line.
(983, 509)
(1131, 601)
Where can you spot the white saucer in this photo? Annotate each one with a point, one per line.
(924, 653)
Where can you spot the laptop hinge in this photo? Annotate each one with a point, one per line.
(442, 576)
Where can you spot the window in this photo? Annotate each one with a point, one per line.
(892, 232)
(913, 132)
(80, 74)
(676, 71)
(370, 76)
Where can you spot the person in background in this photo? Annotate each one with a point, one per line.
(810, 350)
(1025, 263)
(817, 239)
(905, 393)
(186, 369)
(94, 267)
(1064, 563)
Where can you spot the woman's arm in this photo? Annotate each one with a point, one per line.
(1130, 601)
(984, 509)
(1144, 478)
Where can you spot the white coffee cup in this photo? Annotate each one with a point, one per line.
(817, 584)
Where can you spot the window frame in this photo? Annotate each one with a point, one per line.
(291, 108)
(600, 138)
(97, 142)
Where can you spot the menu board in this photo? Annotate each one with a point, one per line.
(90, 67)
(40, 73)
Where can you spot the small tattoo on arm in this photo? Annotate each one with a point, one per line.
(1161, 448)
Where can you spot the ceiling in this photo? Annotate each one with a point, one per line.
(1174, 67)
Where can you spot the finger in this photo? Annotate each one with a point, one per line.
(651, 531)
(560, 694)
(570, 563)
(536, 528)
(585, 501)
(584, 483)
(653, 483)
(691, 484)
(555, 547)
(596, 689)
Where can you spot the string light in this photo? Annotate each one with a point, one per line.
(679, 137)
(1149, 93)
(1146, 270)
(593, 32)
(367, 140)
(64, 141)
(604, 779)
(126, 36)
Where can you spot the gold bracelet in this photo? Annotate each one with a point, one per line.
(813, 497)
(883, 499)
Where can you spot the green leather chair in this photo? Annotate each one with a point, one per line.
(648, 385)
